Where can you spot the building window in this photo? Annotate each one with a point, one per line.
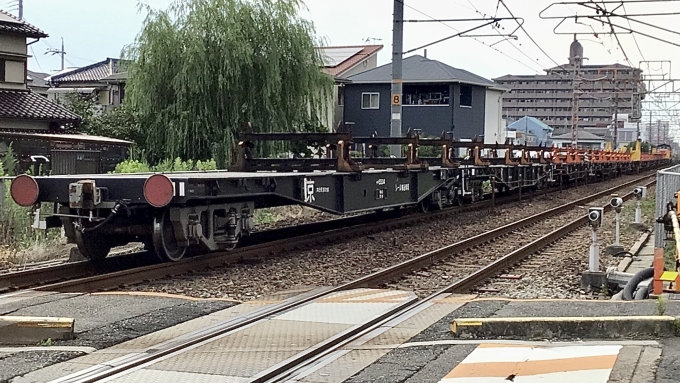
(466, 96)
(426, 95)
(2, 70)
(341, 95)
(370, 101)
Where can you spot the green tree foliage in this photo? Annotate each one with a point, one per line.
(644, 146)
(8, 164)
(202, 69)
(119, 123)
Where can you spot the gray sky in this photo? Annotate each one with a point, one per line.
(94, 29)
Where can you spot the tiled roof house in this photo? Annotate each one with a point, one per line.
(42, 133)
(89, 80)
(20, 108)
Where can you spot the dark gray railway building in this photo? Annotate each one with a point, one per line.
(436, 98)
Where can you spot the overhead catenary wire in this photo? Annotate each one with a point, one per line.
(634, 38)
(508, 40)
(479, 41)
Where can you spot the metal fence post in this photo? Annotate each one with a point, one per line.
(667, 184)
(2, 197)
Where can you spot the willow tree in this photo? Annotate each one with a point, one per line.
(202, 69)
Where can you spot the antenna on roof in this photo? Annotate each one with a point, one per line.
(19, 4)
(372, 40)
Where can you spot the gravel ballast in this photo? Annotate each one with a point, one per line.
(333, 264)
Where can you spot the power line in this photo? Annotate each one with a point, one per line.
(36, 58)
(509, 42)
(634, 38)
(616, 36)
(479, 41)
(531, 38)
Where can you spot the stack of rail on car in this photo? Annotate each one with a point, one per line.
(180, 212)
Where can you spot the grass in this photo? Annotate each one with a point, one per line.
(647, 206)
(19, 242)
(669, 255)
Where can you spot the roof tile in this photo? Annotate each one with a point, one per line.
(29, 105)
(91, 73)
(19, 27)
(420, 69)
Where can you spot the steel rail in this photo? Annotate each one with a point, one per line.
(511, 259)
(307, 359)
(428, 259)
(92, 276)
(129, 268)
(289, 366)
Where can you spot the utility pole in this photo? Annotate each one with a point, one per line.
(61, 52)
(397, 55)
(576, 88)
(21, 10)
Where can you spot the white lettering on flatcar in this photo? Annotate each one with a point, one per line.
(403, 187)
(381, 182)
(323, 189)
(308, 187)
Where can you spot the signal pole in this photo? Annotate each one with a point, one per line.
(397, 55)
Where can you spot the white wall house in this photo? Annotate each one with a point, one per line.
(342, 62)
(494, 123)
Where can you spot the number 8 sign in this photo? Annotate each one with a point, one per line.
(396, 99)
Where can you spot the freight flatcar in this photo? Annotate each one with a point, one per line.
(175, 212)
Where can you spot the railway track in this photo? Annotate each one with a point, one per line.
(136, 268)
(261, 243)
(298, 364)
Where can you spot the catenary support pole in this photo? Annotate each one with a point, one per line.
(397, 49)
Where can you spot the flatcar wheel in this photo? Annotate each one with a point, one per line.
(92, 246)
(437, 201)
(424, 205)
(164, 241)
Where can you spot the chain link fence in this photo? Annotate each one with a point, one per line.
(667, 184)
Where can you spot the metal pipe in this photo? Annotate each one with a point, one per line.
(638, 213)
(676, 234)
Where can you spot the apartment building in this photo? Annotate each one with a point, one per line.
(548, 97)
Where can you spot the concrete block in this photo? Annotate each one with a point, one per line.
(18, 330)
(614, 327)
(614, 249)
(593, 280)
(645, 370)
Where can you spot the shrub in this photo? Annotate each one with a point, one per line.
(136, 166)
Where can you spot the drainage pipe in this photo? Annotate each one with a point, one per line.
(635, 281)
